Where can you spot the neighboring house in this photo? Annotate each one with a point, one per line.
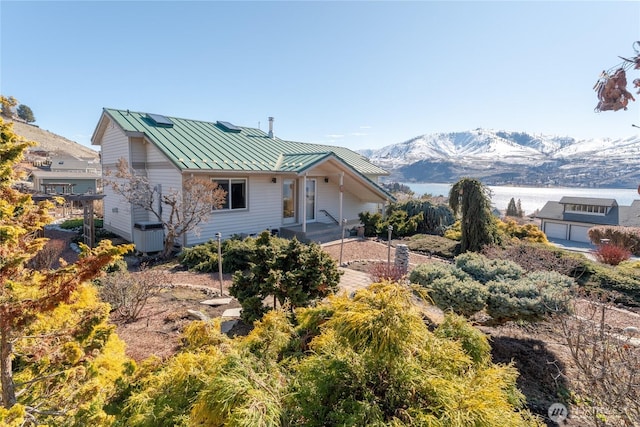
(271, 183)
(49, 182)
(572, 217)
(66, 163)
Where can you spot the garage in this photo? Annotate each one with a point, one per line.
(579, 233)
(555, 230)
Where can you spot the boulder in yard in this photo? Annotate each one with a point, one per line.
(198, 315)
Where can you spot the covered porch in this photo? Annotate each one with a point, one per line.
(319, 232)
(325, 197)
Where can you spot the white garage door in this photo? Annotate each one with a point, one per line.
(555, 230)
(579, 233)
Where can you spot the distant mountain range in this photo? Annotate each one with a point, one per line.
(495, 157)
(513, 158)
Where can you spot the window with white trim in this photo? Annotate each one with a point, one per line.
(236, 189)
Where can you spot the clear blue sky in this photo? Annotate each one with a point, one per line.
(355, 74)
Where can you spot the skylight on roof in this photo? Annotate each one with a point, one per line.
(160, 120)
(228, 126)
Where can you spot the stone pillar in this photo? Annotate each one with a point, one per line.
(402, 258)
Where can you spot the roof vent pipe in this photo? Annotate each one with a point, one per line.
(270, 127)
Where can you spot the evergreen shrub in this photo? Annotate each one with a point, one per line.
(464, 297)
(484, 269)
(295, 274)
(402, 223)
(433, 245)
(473, 341)
(529, 298)
(450, 288)
(454, 232)
(203, 258)
(622, 280)
(369, 360)
(372, 223)
(74, 223)
(430, 218)
(526, 232)
(425, 273)
(475, 282)
(236, 254)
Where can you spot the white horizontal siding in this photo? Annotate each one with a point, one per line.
(154, 155)
(264, 212)
(115, 145)
(138, 151)
(328, 199)
(117, 213)
(170, 181)
(352, 206)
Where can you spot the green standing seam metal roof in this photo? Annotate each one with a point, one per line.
(200, 145)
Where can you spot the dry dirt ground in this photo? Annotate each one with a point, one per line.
(537, 350)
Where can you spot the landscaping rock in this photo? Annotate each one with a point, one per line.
(232, 312)
(198, 315)
(227, 325)
(217, 301)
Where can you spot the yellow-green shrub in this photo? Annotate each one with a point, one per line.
(368, 359)
(526, 232)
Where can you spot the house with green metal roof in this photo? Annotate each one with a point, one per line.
(293, 187)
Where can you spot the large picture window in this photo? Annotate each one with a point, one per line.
(236, 190)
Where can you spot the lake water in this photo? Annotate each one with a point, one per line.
(532, 198)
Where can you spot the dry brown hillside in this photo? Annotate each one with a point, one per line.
(51, 142)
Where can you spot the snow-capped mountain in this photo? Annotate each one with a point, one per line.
(501, 157)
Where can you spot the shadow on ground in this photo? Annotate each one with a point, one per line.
(539, 369)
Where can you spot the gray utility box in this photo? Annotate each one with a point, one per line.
(148, 236)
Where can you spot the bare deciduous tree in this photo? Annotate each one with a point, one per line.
(607, 362)
(128, 293)
(187, 207)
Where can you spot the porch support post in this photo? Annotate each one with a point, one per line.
(304, 203)
(341, 195)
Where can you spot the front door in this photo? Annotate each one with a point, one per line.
(288, 201)
(310, 200)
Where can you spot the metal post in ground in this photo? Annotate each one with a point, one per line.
(344, 225)
(219, 237)
(390, 229)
